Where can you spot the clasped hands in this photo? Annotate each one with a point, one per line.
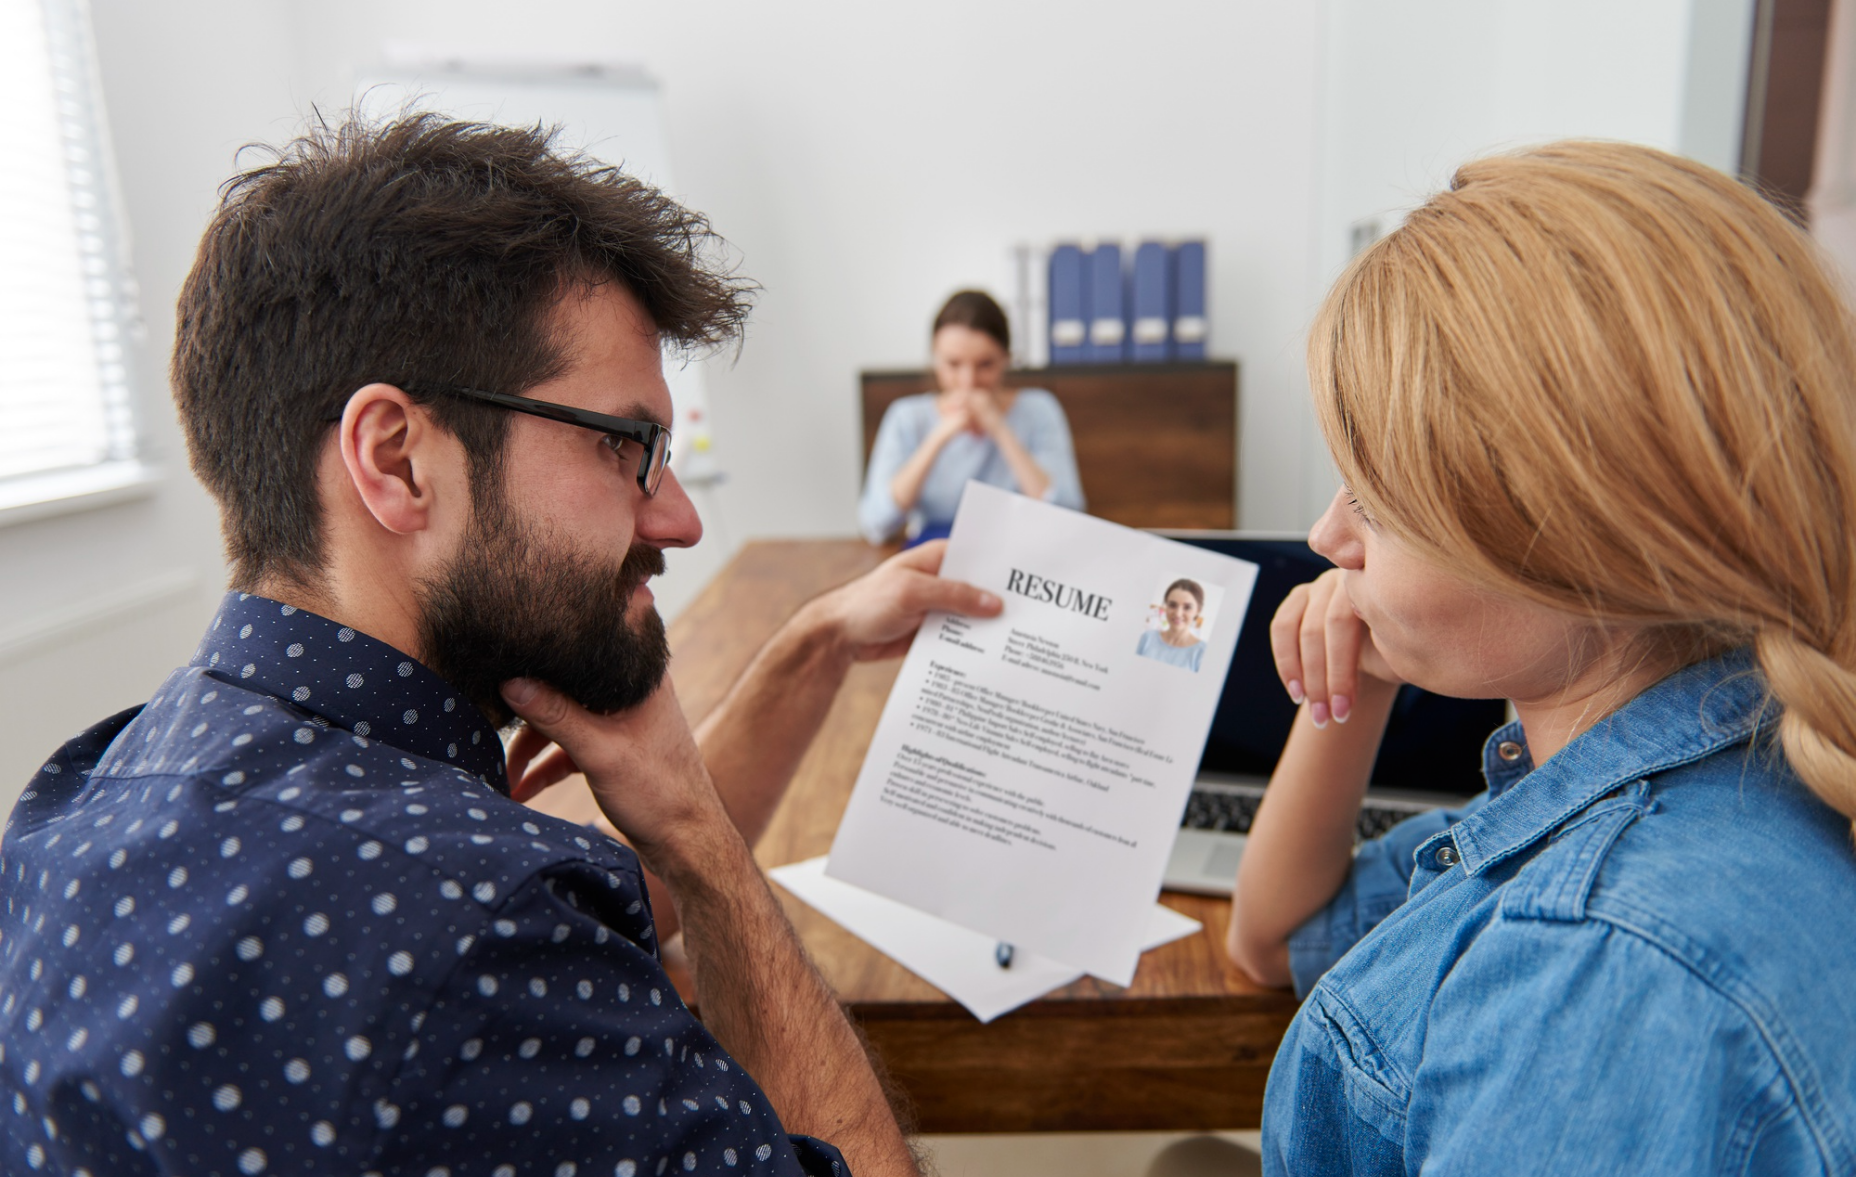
(643, 764)
(974, 410)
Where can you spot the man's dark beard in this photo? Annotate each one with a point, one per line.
(509, 605)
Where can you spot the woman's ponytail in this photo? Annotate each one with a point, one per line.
(1818, 729)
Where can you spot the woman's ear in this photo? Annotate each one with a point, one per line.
(387, 452)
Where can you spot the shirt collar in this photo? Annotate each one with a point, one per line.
(351, 680)
(1693, 713)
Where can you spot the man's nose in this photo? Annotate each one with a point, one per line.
(668, 519)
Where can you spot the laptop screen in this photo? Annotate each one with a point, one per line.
(1432, 745)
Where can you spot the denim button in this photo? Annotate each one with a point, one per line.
(1508, 750)
(1447, 855)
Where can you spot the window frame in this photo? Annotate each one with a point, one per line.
(123, 474)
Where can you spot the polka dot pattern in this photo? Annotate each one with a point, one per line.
(242, 937)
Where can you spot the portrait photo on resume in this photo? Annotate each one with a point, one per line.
(1178, 621)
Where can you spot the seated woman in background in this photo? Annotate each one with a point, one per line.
(1176, 644)
(1595, 408)
(931, 445)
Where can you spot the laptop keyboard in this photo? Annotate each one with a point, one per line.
(1233, 812)
(1230, 812)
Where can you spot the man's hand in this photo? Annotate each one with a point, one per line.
(759, 994)
(1322, 648)
(642, 765)
(876, 615)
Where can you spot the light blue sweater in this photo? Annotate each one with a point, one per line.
(1035, 418)
(1152, 645)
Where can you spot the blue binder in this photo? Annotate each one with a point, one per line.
(1069, 306)
(1189, 323)
(1108, 307)
(1152, 296)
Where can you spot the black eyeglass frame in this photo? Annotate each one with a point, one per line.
(654, 438)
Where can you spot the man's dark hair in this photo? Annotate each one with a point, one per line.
(977, 311)
(418, 252)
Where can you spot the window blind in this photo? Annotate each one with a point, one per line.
(64, 305)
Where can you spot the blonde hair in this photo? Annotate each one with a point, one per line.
(1621, 384)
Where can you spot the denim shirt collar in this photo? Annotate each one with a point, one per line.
(1654, 732)
(350, 680)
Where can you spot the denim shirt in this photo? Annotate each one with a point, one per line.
(1638, 958)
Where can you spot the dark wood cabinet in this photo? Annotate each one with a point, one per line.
(1156, 444)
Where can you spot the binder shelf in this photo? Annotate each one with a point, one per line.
(1156, 444)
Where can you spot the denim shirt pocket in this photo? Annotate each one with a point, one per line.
(1376, 1088)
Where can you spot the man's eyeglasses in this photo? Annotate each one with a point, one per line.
(652, 439)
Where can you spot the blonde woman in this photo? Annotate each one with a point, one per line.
(1595, 407)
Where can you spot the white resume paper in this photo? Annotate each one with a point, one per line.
(958, 961)
(1028, 774)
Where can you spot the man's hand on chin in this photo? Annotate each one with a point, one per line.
(760, 996)
(876, 615)
(642, 765)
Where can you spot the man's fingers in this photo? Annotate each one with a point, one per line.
(888, 650)
(879, 612)
(528, 744)
(551, 719)
(544, 774)
(1286, 640)
(542, 708)
(927, 594)
(922, 557)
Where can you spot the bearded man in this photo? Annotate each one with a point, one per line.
(291, 916)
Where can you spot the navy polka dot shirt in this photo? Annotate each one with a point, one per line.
(285, 919)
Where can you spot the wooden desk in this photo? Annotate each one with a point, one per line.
(1188, 1046)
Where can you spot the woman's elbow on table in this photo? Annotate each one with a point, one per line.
(1263, 959)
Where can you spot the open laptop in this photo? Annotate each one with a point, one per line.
(1432, 754)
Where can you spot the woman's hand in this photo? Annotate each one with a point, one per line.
(973, 410)
(1300, 848)
(955, 418)
(1322, 648)
(956, 409)
(983, 408)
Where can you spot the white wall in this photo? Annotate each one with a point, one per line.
(868, 159)
(96, 608)
(1832, 199)
(865, 160)
(1416, 87)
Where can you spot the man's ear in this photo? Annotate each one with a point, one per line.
(389, 453)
